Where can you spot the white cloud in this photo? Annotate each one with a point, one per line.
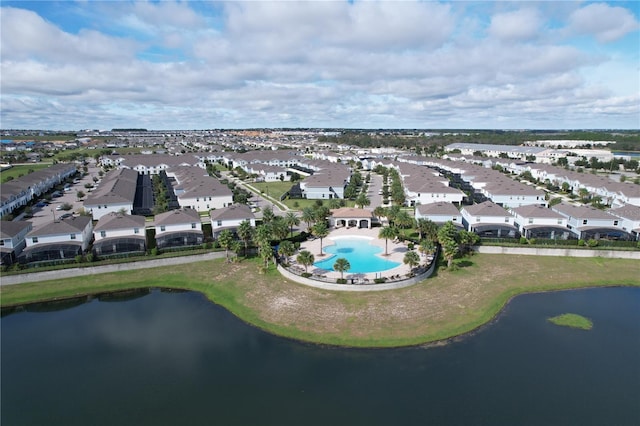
(604, 22)
(523, 24)
(379, 64)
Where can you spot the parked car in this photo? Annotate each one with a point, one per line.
(59, 207)
(56, 194)
(41, 204)
(66, 215)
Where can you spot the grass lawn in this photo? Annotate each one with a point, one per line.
(302, 203)
(446, 305)
(23, 169)
(272, 189)
(573, 321)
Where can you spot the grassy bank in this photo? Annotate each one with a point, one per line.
(449, 304)
(573, 321)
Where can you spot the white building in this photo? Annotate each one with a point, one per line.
(587, 222)
(12, 240)
(230, 218)
(60, 239)
(119, 233)
(439, 212)
(535, 221)
(488, 219)
(177, 228)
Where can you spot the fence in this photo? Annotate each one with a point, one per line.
(327, 283)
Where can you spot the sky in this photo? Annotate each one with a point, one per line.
(70, 65)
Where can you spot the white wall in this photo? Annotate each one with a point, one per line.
(204, 204)
(97, 211)
(179, 227)
(125, 232)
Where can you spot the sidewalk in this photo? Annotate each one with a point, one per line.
(91, 270)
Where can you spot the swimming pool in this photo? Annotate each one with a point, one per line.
(362, 256)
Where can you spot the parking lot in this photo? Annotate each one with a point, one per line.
(46, 214)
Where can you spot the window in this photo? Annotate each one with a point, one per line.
(615, 223)
(477, 219)
(530, 220)
(584, 222)
(219, 223)
(136, 230)
(506, 220)
(73, 236)
(559, 221)
(193, 226)
(1, 242)
(162, 228)
(34, 239)
(103, 234)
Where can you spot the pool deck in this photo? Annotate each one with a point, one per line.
(396, 252)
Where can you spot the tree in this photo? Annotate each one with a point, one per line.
(245, 232)
(334, 203)
(467, 240)
(320, 230)
(362, 200)
(584, 194)
(291, 220)
(427, 228)
(380, 212)
(427, 247)
(403, 219)
(392, 212)
(450, 250)
(286, 248)
(279, 229)
(565, 187)
(448, 231)
(80, 194)
(411, 258)
(388, 232)
(341, 265)
(225, 238)
(308, 216)
(305, 258)
(267, 215)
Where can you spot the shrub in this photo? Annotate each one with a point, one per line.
(306, 274)
(154, 251)
(380, 280)
(78, 259)
(341, 280)
(592, 243)
(410, 246)
(581, 243)
(523, 240)
(90, 257)
(532, 241)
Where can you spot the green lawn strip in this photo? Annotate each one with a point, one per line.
(231, 285)
(573, 321)
(22, 169)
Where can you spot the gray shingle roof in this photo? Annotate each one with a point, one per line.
(9, 229)
(113, 221)
(233, 212)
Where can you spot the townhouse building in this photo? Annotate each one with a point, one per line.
(488, 219)
(587, 222)
(12, 240)
(535, 221)
(230, 218)
(117, 233)
(60, 239)
(178, 228)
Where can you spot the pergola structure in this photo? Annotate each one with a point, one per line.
(351, 218)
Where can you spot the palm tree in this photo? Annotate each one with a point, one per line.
(320, 230)
(267, 215)
(380, 212)
(225, 238)
(362, 200)
(334, 203)
(392, 212)
(279, 229)
(427, 228)
(388, 232)
(291, 220)
(286, 248)
(448, 231)
(308, 216)
(305, 258)
(341, 266)
(427, 247)
(449, 249)
(403, 219)
(467, 240)
(411, 258)
(245, 232)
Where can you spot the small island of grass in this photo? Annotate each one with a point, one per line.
(573, 321)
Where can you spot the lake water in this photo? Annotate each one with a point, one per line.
(176, 359)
